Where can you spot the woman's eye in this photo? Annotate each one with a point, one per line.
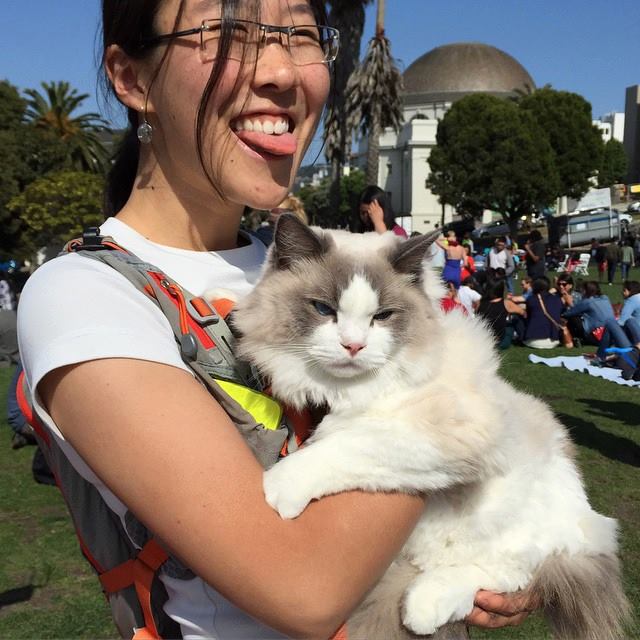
(383, 315)
(323, 309)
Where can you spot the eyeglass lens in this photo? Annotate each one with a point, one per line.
(307, 44)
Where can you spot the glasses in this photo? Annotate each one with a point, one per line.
(306, 43)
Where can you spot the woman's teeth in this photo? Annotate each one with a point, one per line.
(272, 128)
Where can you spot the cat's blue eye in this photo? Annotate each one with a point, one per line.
(323, 309)
(383, 315)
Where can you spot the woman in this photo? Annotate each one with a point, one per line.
(468, 268)
(205, 98)
(375, 213)
(502, 314)
(455, 258)
(542, 329)
(594, 311)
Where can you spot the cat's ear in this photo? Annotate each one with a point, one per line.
(409, 255)
(294, 241)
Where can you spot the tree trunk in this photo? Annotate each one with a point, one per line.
(373, 151)
(349, 17)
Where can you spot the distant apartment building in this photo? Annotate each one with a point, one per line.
(612, 126)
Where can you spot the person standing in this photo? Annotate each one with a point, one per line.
(626, 259)
(206, 86)
(455, 257)
(613, 255)
(497, 257)
(535, 249)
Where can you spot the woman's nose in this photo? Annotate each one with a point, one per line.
(275, 67)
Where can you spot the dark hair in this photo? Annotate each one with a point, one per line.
(129, 24)
(540, 285)
(367, 196)
(565, 278)
(472, 283)
(632, 285)
(494, 289)
(535, 235)
(591, 289)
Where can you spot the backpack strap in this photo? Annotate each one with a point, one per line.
(129, 572)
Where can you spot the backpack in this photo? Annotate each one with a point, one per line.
(126, 556)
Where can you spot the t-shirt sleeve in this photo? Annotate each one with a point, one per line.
(74, 309)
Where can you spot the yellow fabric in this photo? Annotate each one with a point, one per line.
(263, 408)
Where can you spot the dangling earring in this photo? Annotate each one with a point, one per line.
(145, 130)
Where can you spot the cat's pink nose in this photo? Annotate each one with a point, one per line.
(353, 348)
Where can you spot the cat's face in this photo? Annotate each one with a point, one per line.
(334, 307)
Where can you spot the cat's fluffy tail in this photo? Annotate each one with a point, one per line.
(378, 617)
(582, 597)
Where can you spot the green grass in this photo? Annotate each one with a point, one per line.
(47, 590)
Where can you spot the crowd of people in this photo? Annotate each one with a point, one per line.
(550, 311)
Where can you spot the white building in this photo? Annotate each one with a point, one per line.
(612, 126)
(431, 85)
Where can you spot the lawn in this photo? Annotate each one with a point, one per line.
(48, 591)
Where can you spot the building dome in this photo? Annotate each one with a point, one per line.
(452, 71)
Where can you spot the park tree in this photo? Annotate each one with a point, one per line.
(491, 154)
(54, 111)
(613, 164)
(565, 118)
(348, 17)
(317, 203)
(374, 99)
(26, 152)
(57, 207)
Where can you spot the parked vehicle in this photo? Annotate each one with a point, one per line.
(634, 207)
(493, 229)
(579, 228)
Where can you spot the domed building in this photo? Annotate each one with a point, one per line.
(431, 85)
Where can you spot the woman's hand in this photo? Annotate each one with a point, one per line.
(492, 610)
(376, 215)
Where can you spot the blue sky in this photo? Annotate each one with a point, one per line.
(586, 46)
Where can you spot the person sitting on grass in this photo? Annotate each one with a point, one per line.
(542, 329)
(594, 310)
(505, 318)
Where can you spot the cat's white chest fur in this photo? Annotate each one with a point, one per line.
(502, 493)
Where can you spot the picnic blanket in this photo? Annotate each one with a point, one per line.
(580, 363)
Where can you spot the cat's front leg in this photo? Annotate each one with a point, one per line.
(441, 595)
(294, 481)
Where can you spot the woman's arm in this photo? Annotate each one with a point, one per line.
(178, 462)
(512, 307)
(376, 215)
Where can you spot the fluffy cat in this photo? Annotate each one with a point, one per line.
(416, 405)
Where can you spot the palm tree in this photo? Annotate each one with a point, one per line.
(348, 17)
(53, 111)
(374, 95)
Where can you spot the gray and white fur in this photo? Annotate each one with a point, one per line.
(415, 403)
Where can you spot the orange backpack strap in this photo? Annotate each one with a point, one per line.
(140, 572)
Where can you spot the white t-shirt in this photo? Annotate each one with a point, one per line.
(75, 309)
(497, 259)
(468, 297)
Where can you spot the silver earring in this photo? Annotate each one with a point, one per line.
(145, 130)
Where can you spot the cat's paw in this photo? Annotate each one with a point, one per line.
(284, 488)
(428, 606)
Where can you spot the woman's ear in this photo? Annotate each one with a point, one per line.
(124, 75)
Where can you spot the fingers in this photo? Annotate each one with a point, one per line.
(481, 618)
(506, 604)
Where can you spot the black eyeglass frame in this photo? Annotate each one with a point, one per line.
(265, 30)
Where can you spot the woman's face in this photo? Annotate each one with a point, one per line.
(271, 94)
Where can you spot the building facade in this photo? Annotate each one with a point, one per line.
(632, 133)
(431, 85)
